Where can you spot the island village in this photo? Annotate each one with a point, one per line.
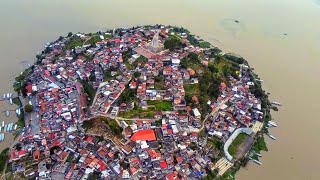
(150, 102)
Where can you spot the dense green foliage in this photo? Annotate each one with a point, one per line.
(89, 90)
(204, 44)
(128, 95)
(20, 121)
(115, 128)
(172, 42)
(73, 42)
(3, 158)
(28, 108)
(260, 145)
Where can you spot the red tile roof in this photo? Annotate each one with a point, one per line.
(144, 135)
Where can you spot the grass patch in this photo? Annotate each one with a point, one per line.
(74, 42)
(93, 40)
(138, 113)
(192, 89)
(204, 44)
(161, 105)
(236, 143)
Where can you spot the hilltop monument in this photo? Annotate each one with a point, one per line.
(155, 46)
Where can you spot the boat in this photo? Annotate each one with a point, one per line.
(18, 112)
(276, 103)
(10, 95)
(5, 128)
(257, 162)
(272, 123)
(272, 137)
(10, 100)
(4, 96)
(7, 113)
(258, 154)
(15, 127)
(0, 128)
(2, 124)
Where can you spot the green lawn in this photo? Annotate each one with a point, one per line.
(138, 112)
(235, 144)
(74, 42)
(161, 105)
(93, 40)
(192, 89)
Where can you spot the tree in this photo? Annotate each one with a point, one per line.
(172, 42)
(28, 108)
(69, 34)
(136, 74)
(92, 77)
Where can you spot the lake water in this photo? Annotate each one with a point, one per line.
(289, 65)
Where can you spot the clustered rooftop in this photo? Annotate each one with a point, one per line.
(157, 147)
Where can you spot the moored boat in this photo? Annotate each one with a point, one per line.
(8, 95)
(276, 103)
(4, 96)
(272, 124)
(7, 113)
(257, 162)
(272, 137)
(2, 124)
(10, 100)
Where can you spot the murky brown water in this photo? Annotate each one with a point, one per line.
(289, 65)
